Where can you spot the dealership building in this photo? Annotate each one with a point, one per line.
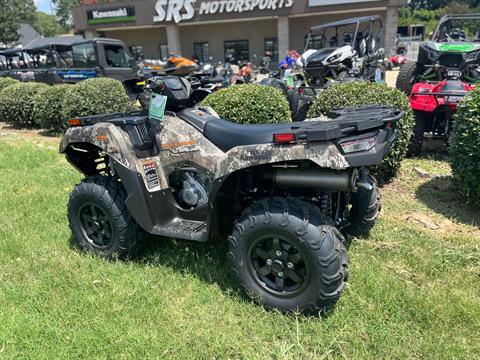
(219, 29)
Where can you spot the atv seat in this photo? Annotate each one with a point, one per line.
(226, 135)
(360, 45)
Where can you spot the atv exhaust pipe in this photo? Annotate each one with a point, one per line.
(320, 179)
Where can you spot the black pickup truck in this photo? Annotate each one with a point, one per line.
(69, 60)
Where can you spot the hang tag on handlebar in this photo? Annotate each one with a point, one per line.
(156, 108)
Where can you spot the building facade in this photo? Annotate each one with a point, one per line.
(218, 29)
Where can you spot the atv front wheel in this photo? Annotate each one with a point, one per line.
(406, 77)
(284, 255)
(416, 140)
(366, 206)
(100, 221)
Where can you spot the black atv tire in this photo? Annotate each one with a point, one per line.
(406, 76)
(366, 207)
(416, 140)
(97, 212)
(293, 227)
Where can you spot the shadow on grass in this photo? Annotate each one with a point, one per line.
(441, 195)
(205, 260)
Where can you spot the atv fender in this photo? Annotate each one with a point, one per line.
(104, 136)
(325, 155)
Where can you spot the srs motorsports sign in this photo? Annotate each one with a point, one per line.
(179, 10)
(112, 15)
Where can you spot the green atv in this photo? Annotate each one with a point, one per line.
(453, 52)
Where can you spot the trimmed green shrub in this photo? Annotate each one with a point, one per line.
(16, 103)
(465, 146)
(96, 96)
(250, 104)
(49, 106)
(7, 81)
(365, 93)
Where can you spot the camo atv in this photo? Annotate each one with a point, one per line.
(284, 195)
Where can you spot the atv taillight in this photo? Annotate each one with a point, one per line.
(284, 138)
(358, 145)
(74, 122)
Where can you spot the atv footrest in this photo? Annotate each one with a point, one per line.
(184, 229)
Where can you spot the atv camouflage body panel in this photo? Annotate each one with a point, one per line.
(180, 144)
(114, 144)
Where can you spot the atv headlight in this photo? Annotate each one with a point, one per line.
(334, 58)
(434, 55)
(472, 56)
(358, 145)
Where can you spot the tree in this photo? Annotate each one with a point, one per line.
(12, 14)
(63, 10)
(46, 24)
(437, 4)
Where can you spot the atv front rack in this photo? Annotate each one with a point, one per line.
(135, 123)
(118, 118)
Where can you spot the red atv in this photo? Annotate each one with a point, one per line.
(434, 104)
(399, 56)
(396, 60)
(448, 67)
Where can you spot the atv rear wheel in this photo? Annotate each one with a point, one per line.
(406, 76)
(366, 207)
(284, 255)
(416, 140)
(100, 221)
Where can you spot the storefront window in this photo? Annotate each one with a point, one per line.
(163, 51)
(201, 51)
(271, 49)
(116, 56)
(84, 55)
(137, 52)
(236, 51)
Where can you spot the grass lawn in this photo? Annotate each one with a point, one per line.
(413, 291)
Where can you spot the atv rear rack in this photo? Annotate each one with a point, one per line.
(438, 94)
(348, 121)
(444, 95)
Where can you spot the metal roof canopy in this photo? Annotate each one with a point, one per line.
(448, 17)
(346, 22)
(12, 52)
(44, 43)
(99, 39)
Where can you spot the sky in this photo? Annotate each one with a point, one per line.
(44, 5)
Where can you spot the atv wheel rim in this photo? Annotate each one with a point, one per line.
(96, 226)
(278, 266)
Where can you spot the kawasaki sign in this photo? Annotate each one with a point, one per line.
(103, 16)
(179, 10)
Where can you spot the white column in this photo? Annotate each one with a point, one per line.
(283, 33)
(89, 34)
(173, 39)
(391, 26)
